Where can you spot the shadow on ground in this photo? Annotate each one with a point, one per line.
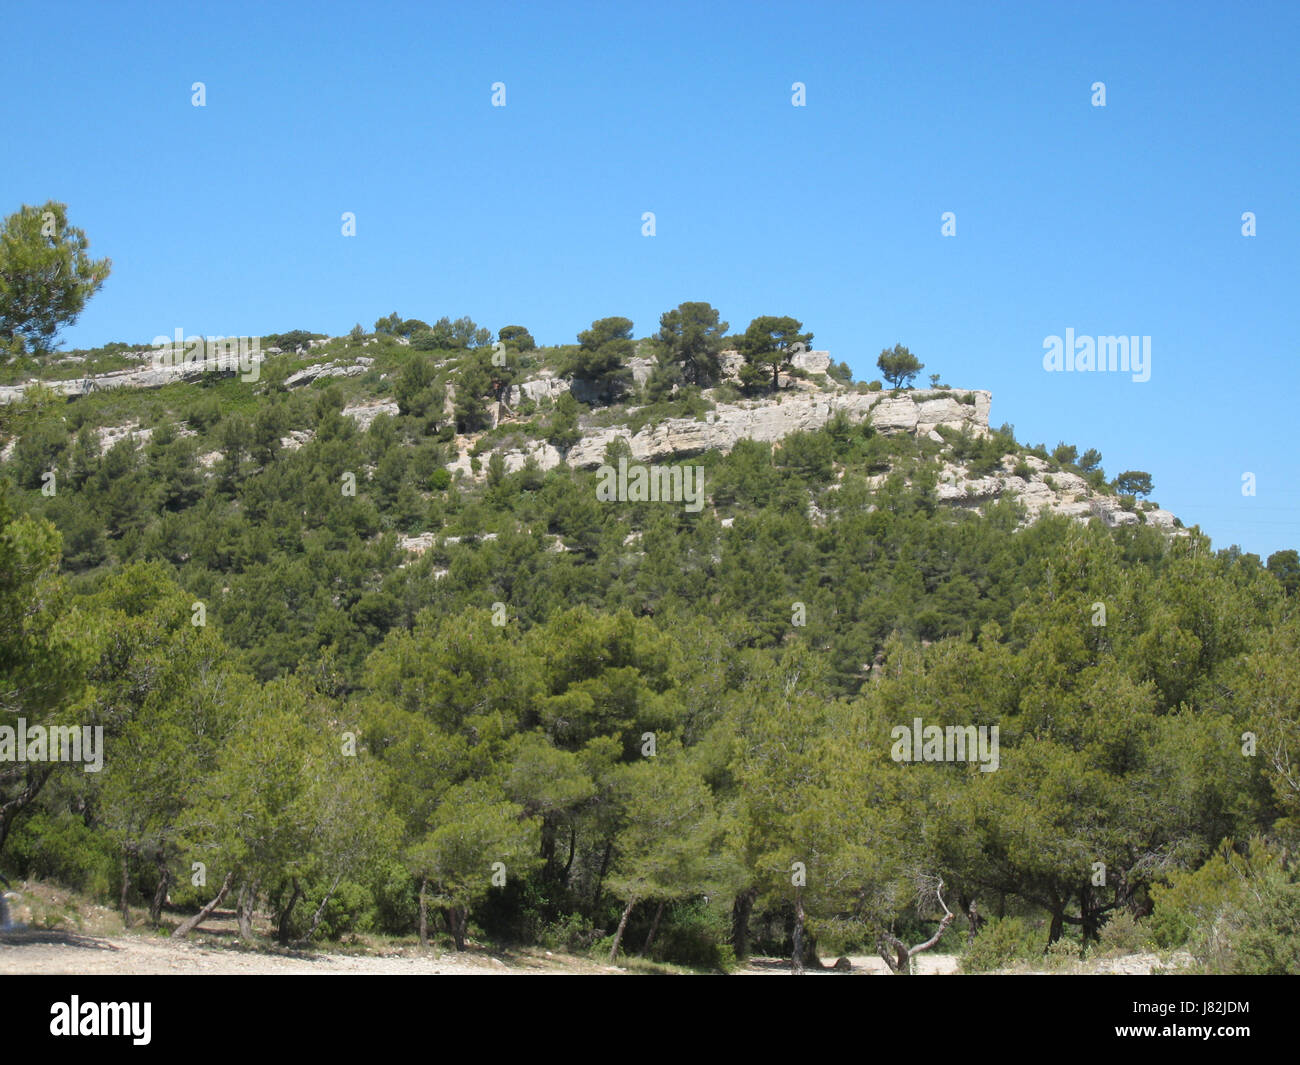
(26, 937)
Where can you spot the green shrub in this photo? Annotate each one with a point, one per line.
(1024, 470)
(395, 899)
(350, 909)
(1260, 938)
(62, 848)
(1238, 913)
(573, 932)
(1122, 934)
(1169, 928)
(1000, 943)
(1064, 953)
(695, 934)
(1196, 898)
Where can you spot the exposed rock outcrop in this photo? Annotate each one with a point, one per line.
(767, 421)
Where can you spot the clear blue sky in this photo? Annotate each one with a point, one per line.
(1117, 220)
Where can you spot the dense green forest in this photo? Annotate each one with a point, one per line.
(625, 726)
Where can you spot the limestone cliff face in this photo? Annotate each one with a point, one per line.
(1062, 493)
(805, 408)
(764, 420)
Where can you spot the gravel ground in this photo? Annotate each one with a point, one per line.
(42, 952)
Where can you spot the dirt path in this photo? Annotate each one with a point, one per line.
(35, 952)
(40, 952)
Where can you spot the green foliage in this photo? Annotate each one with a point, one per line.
(292, 340)
(768, 345)
(1285, 566)
(562, 429)
(1090, 460)
(1133, 482)
(348, 910)
(390, 326)
(696, 934)
(770, 643)
(1262, 938)
(1001, 943)
(1065, 454)
(420, 393)
(688, 403)
(517, 338)
(690, 342)
(59, 846)
(473, 382)
(600, 359)
(899, 366)
(46, 277)
(1123, 934)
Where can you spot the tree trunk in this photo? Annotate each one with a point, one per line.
(1090, 911)
(811, 959)
(319, 915)
(600, 878)
(972, 922)
(622, 924)
(247, 902)
(798, 930)
(424, 914)
(187, 926)
(457, 918)
(160, 895)
(548, 847)
(287, 913)
(740, 913)
(1058, 922)
(126, 888)
(900, 964)
(654, 927)
(573, 846)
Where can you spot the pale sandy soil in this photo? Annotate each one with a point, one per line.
(88, 939)
(33, 952)
(42, 952)
(930, 964)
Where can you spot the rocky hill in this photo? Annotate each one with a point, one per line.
(809, 398)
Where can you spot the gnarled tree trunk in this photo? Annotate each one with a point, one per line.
(622, 924)
(247, 902)
(189, 924)
(901, 964)
(286, 915)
